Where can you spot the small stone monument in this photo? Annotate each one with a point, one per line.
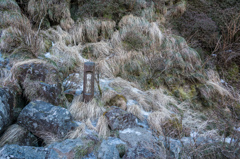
(88, 81)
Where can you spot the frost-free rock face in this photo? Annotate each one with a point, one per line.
(119, 119)
(6, 106)
(27, 152)
(174, 146)
(44, 119)
(9, 99)
(142, 144)
(39, 80)
(111, 148)
(67, 148)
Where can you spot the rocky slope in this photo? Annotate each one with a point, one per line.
(159, 92)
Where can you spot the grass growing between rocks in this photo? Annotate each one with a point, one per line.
(152, 73)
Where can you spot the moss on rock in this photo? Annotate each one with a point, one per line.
(118, 100)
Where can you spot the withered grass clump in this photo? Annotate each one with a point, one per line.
(102, 127)
(83, 111)
(10, 14)
(13, 135)
(56, 10)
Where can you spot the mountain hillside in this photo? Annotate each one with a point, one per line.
(166, 82)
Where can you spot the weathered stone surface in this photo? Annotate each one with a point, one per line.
(40, 81)
(27, 152)
(143, 151)
(10, 98)
(174, 146)
(67, 148)
(43, 119)
(142, 144)
(18, 135)
(6, 104)
(112, 148)
(4, 63)
(119, 119)
(135, 135)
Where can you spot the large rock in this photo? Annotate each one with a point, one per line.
(40, 81)
(6, 106)
(44, 119)
(144, 151)
(142, 144)
(112, 148)
(27, 152)
(176, 148)
(67, 148)
(75, 148)
(119, 119)
(9, 98)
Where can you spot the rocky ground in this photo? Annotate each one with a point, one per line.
(166, 85)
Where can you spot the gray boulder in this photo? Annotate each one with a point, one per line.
(40, 81)
(142, 144)
(67, 148)
(27, 152)
(174, 146)
(112, 148)
(10, 98)
(119, 119)
(6, 106)
(44, 119)
(144, 150)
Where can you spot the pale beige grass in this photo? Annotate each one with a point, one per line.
(83, 111)
(49, 137)
(13, 134)
(135, 110)
(108, 95)
(90, 126)
(156, 119)
(102, 127)
(77, 132)
(214, 81)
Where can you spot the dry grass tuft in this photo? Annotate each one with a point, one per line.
(57, 34)
(49, 137)
(155, 35)
(151, 100)
(77, 133)
(5, 75)
(102, 127)
(11, 14)
(214, 82)
(83, 111)
(108, 95)
(66, 58)
(140, 41)
(12, 134)
(90, 126)
(116, 40)
(176, 10)
(150, 33)
(56, 10)
(156, 120)
(89, 30)
(98, 50)
(159, 100)
(135, 110)
(21, 39)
